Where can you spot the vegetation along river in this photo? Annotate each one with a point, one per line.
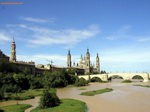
(125, 97)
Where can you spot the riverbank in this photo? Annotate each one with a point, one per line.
(125, 97)
(66, 105)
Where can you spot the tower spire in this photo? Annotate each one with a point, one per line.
(87, 50)
(69, 59)
(13, 51)
(69, 52)
(13, 40)
(88, 61)
(97, 63)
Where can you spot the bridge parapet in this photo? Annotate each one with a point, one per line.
(125, 76)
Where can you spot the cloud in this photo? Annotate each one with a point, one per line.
(59, 60)
(4, 37)
(119, 34)
(38, 20)
(125, 55)
(144, 39)
(68, 37)
(125, 59)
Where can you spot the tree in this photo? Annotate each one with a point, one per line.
(48, 100)
(103, 72)
(55, 79)
(1, 93)
(35, 81)
(22, 81)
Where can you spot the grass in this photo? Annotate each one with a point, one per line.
(15, 108)
(29, 94)
(67, 105)
(94, 92)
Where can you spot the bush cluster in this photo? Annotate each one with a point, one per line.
(48, 100)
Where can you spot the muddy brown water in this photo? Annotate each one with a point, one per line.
(124, 97)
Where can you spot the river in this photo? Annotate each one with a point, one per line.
(124, 97)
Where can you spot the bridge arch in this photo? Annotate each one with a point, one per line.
(84, 76)
(96, 79)
(116, 76)
(137, 77)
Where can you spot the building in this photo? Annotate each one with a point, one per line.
(21, 65)
(29, 66)
(83, 67)
(84, 64)
(3, 57)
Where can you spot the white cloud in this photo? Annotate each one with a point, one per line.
(119, 34)
(4, 37)
(144, 39)
(69, 37)
(125, 59)
(38, 20)
(125, 55)
(58, 60)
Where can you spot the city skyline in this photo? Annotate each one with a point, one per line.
(117, 30)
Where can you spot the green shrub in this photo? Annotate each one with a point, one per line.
(48, 100)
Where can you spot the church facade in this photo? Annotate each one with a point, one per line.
(84, 66)
(85, 63)
(22, 65)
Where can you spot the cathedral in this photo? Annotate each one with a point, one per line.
(84, 66)
(85, 63)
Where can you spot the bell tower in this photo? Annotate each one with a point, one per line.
(87, 62)
(13, 51)
(69, 59)
(97, 63)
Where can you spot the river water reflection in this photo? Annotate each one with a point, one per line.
(124, 97)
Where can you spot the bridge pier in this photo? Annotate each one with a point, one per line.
(105, 77)
(146, 78)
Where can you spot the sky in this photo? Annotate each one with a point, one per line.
(44, 30)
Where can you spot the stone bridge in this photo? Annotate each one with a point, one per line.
(125, 76)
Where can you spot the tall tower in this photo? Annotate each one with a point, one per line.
(97, 63)
(13, 51)
(87, 62)
(69, 59)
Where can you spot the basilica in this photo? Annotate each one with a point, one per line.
(82, 67)
(84, 64)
